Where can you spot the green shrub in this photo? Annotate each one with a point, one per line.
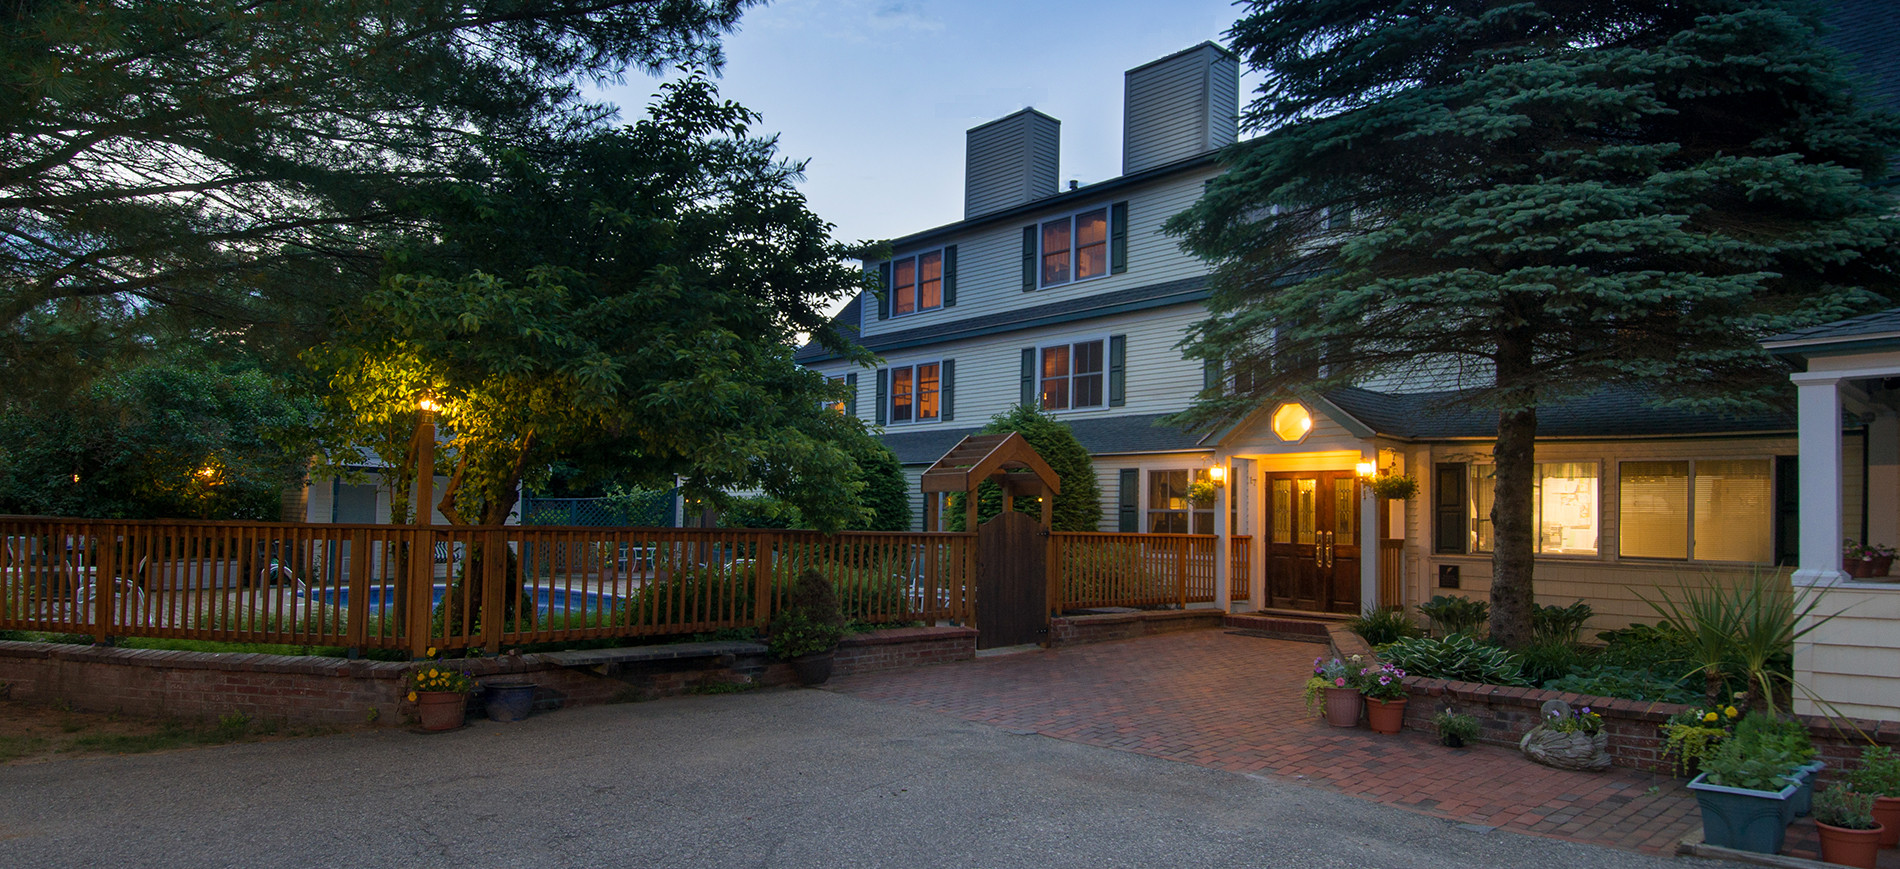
(1549, 660)
(812, 623)
(1606, 681)
(1879, 772)
(1383, 626)
(1451, 724)
(1559, 624)
(1839, 807)
(1456, 615)
(1457, 657)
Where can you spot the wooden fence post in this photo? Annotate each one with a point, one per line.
(1181, 569)
(421, 586)
(104, 573)
(765, 546)
(494, 582)
(358, 615)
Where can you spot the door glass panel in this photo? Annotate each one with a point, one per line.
(1304, 524)
(1342, 510)
(1283, 511)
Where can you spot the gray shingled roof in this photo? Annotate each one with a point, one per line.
(1101, 435)
(1177, 292)
(1881, 323)
(1610, 412)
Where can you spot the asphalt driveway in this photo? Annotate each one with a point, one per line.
(791, 778)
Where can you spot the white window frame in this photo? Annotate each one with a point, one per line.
(1149, 511)
(1091, 339)
(917, 271)
(1471, 520)
(1108, 245)
(1773, 493)
(890, 397)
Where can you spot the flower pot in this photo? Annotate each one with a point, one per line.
(508, 701)
(1746, 820)
(813, 669)
(1887, 812)
(1452, 740)
(1342, 707)
(441, 710)
(1803, 801)
(1881, 566)
(1385, 716)
(1849, 847)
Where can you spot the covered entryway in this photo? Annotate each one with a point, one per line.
(1015, 589)
(1312, 547)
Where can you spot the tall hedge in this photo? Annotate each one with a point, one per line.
(1077, 508)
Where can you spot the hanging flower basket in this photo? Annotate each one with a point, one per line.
(1394, 488)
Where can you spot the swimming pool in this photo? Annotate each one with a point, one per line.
(547, 600)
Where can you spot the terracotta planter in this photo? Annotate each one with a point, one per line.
(1385, 716)
(1850, 847)
(1887, 812)
(441, 710)
(1342, 707)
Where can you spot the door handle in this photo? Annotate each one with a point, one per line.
(1329, 547)
(1319, 549)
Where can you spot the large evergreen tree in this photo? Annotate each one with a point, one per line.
(1559, 194)
(1078, 506)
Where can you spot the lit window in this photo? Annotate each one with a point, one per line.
(1075, 247)
(917, 283)
(914, 392)
(1563, 507)
(1291, 422)
(1072, 375)
(1704, 510)
(1170, 511)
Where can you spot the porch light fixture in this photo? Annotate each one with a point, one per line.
(1291, 422)
(1217, 475)
(1366, 469)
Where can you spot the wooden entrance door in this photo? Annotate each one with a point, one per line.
(1313, 541)
(1012, 594)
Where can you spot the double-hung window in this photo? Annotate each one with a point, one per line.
(1074, 247)
(1170, 511)
(1072, 375)
(915, 390)
(917, 283)
(1564, 507)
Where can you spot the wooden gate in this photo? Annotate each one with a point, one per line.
(1012, 603)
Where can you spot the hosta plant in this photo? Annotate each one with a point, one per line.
(1459, 658)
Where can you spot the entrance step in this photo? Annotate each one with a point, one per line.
(1285, 625)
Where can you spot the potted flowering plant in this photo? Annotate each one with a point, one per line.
(1568, 739)
(1879, 777)
(1334, 690)
(1845, 821)
(1202, 492)
(1866, 560)
(440, 693)
(1384, 689)
(1747, 786)
(1397, 488)
(1454, 730)
(1692, 733)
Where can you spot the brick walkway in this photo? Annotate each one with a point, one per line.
(1232, 702)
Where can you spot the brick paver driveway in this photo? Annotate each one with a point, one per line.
(1233, 702)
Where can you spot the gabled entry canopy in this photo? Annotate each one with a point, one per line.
(1005, 458)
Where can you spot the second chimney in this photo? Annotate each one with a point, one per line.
(1185, 104)
(1010, 161)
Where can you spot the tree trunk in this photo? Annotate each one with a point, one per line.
(1513, 537)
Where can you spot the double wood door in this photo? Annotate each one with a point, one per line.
(1313, 541)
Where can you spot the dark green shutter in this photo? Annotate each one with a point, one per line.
(883, 395)
(1210, 374)
(1029, 257)
(1128, 519)
(884, 290)
(1118, 238)
(947, 388)
(1117, 370)
(1029, 377)
(1448, 508)
(851, 400)
(950, 276)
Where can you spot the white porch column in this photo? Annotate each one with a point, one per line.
(1223, 540)
(1252, 486)
(1819, 405)
(1369, 545)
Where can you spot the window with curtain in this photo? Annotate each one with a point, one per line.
(1705, 510)
(1074, 247)
(1073, 375)
(914, 392)
(1564, 507)
(1170, 511)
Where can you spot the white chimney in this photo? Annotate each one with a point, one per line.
(1185, 104)
(1010, 161)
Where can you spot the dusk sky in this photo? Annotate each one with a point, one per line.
(877, 94)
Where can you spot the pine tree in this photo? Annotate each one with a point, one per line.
(1562, 195)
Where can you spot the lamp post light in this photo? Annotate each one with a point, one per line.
(425, 460)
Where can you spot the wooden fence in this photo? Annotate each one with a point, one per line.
(363, 586)
(1142, 570)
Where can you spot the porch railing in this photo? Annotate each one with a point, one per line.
(359, 586)
(1142, 570)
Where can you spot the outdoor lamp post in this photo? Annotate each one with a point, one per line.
(425, 459)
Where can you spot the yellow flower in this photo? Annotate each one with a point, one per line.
(430, 653)
(1730, 712)
(412, 696)
(1708, 716)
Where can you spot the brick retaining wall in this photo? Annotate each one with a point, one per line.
(304, 690)
(1106, 627)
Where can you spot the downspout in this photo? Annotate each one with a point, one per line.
(1865, 481)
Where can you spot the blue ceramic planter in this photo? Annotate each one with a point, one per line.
(1803, 800)
(1743, 819)
(509, 701)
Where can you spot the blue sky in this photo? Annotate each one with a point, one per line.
(878, 93)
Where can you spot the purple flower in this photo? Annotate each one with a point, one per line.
(1339, 682)
(1586, 710)
(1385, 680)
